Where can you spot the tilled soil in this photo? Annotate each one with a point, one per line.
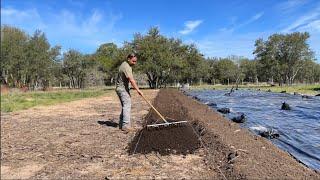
(81, 140)
(167, 140)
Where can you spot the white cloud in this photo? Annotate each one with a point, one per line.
(291, 5)
(309, 22)
(225, 42)
(90, 31)
(311, 26)
(7, 12)
(256, 17)
(303, 20)
(237, 26)
(30, 17)
(221, 44)
(67, 28)
(190, 26)
(95, 17)
(252, 19)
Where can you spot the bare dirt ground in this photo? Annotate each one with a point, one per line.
(80, 140)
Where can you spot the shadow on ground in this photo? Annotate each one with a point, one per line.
(108, 123)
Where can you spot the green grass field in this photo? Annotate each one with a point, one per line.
(19, 100)
(302, 89)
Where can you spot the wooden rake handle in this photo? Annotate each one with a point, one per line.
(155, 109)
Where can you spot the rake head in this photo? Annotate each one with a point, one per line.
(166, 125)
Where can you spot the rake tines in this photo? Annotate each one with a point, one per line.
(166, 125)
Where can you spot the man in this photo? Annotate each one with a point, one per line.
(122, 88)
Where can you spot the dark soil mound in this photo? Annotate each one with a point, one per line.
(177, 140)
(169, 140)
(182, 140)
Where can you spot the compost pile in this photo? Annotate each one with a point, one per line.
(177, 140)
(166, 140)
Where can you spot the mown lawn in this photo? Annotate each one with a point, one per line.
(18, 100)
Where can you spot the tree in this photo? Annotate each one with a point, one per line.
(211, 71)
(194, 65)
(268, 67)
(74, 66)
(94, 76)
(153, 56)
(226, 70)
(296, 53)
(108, 56)
(310, 72)
(166, 60)
(249, 69)
(238, 71)
(27, 61)
(282, 56)
(40, 58)
(59, 78)
(13, 45)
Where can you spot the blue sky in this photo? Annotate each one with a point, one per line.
(219, 28)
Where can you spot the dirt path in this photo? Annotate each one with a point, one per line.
(79, 140)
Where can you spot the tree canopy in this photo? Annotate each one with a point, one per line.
(30, 61)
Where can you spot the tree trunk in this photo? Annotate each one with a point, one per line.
(14, 83)
(73, 82)
(152, 80)
(6, 77)
(36, 85)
